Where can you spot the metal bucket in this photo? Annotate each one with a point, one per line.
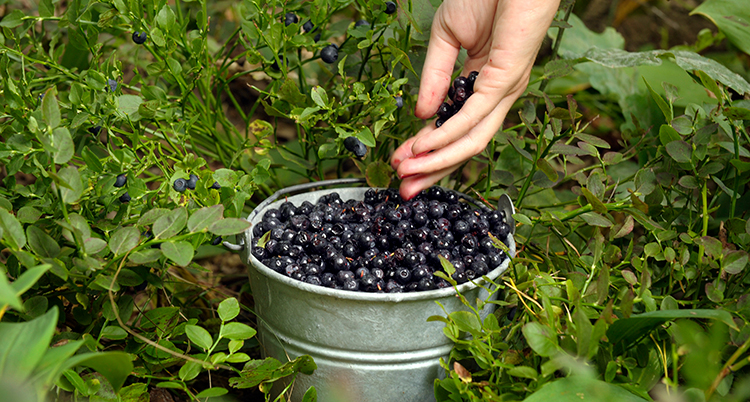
(367, 346)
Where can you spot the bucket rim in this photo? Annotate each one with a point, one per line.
(434, 294)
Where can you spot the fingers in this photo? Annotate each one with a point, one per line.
(438, 67)
(412, 185)
(402, 153)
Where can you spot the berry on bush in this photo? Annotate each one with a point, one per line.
(355, 146)
(111, 85)
(399, 102)
(308, 26)
(216, 240)
(121, 180)
(95, 130)
(125, 197)
(330, 54)
(382, 243)
(216, 186)
(361, 23)
(390, 7)
(192, 181)
(139, 37)
(290, 18)
(180, 185)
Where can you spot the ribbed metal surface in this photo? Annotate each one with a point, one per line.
(367, 346)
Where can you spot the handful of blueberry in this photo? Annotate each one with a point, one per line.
(381, 244)
(462, 89)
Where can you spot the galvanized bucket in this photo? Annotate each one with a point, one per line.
(367, 346)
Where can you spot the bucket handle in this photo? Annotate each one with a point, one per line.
(286, 190)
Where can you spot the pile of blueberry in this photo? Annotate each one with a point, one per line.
(380, 244)
(461, 90)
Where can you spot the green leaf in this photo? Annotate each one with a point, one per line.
(378, 174)
(237, 331)
(626, 332)
(42, 243)
(595, 202)
(201, 219)
(663, 106)
(114, 366)
(199, 336)
(166, 18)
(558, 68)
(180, 252)
(734, 262)
(212, 392)
(29, 278)
(63, 142)
(365, 135)
(8, 295)
(170, 224)
(228, 309)
(151, 216)
(12, 20)
(22, 345)
(731, 17)
(145, 256)
(50, 107)
(523, 372)
(113, 332)
(711, 245)
(12, 230)
(73, 189)
(123, 240)
(270, 370)
(541, 338)
(229, 226)
(190, 370)
(319, 96)
(680, 151)
(311, 395)
(447, 266)
(594, 219)
(581, 389)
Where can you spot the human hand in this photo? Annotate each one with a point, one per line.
(502, 38)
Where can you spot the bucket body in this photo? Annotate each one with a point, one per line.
(367, 346)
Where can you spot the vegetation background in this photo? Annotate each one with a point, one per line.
(627, 160)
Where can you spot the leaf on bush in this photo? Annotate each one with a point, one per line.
(23, 344)
(229, 226)
(63, 142)
(145, 256)
(626, 332)
(199, 336)
(237, 331)
(181, 252)
(201, 219)
(734, 261)
(523, 372)
(13, 19)
(8, 295)
(73, 187)
(270, 370)
(378, 174)
(29, 278)
(123, 240)
(151, 216)
(711, 245)
(212, 392)
(541, 339)
(680, 151)
(578, 388)
(731, 18)
(170, 224)
(463, 373)
(228, 309)
(50, 107)
(594, 219)
(11, 230)
(42, 243)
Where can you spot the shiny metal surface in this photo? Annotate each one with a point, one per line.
(367, 346)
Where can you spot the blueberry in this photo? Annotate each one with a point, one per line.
(461, 95)
(426, 283)
(111, 85)
(216, 186)
(471, 79)
(355, 146)
(180, 185)
(290, 18)
(121, 180)
(361, 23)
(139, 37)
(330, 54)
(95, 130)
(125, 197)
(390, 7)
(192, 181)
(439, 122)
(314, 280)
(399, 102)
(216, 240)
(308, 26)
(275, 64)
(460, 82)
(351, 285)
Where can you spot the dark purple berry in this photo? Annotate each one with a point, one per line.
(290, 18)
(95, 130)
(390, 7)
(180, 185)
(192, 181)
(125, 198)
(460, 82)
(111, 85)
(329, 54)
(355, 146)
(439, 122)
(139, 37)
(361, 23)
(308, 26)
(471, 79)
(216, 186)
(399, 102)
(121, 180)
(445, 110)
(216, 241)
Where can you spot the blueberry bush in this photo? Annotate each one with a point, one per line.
(136, 134)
